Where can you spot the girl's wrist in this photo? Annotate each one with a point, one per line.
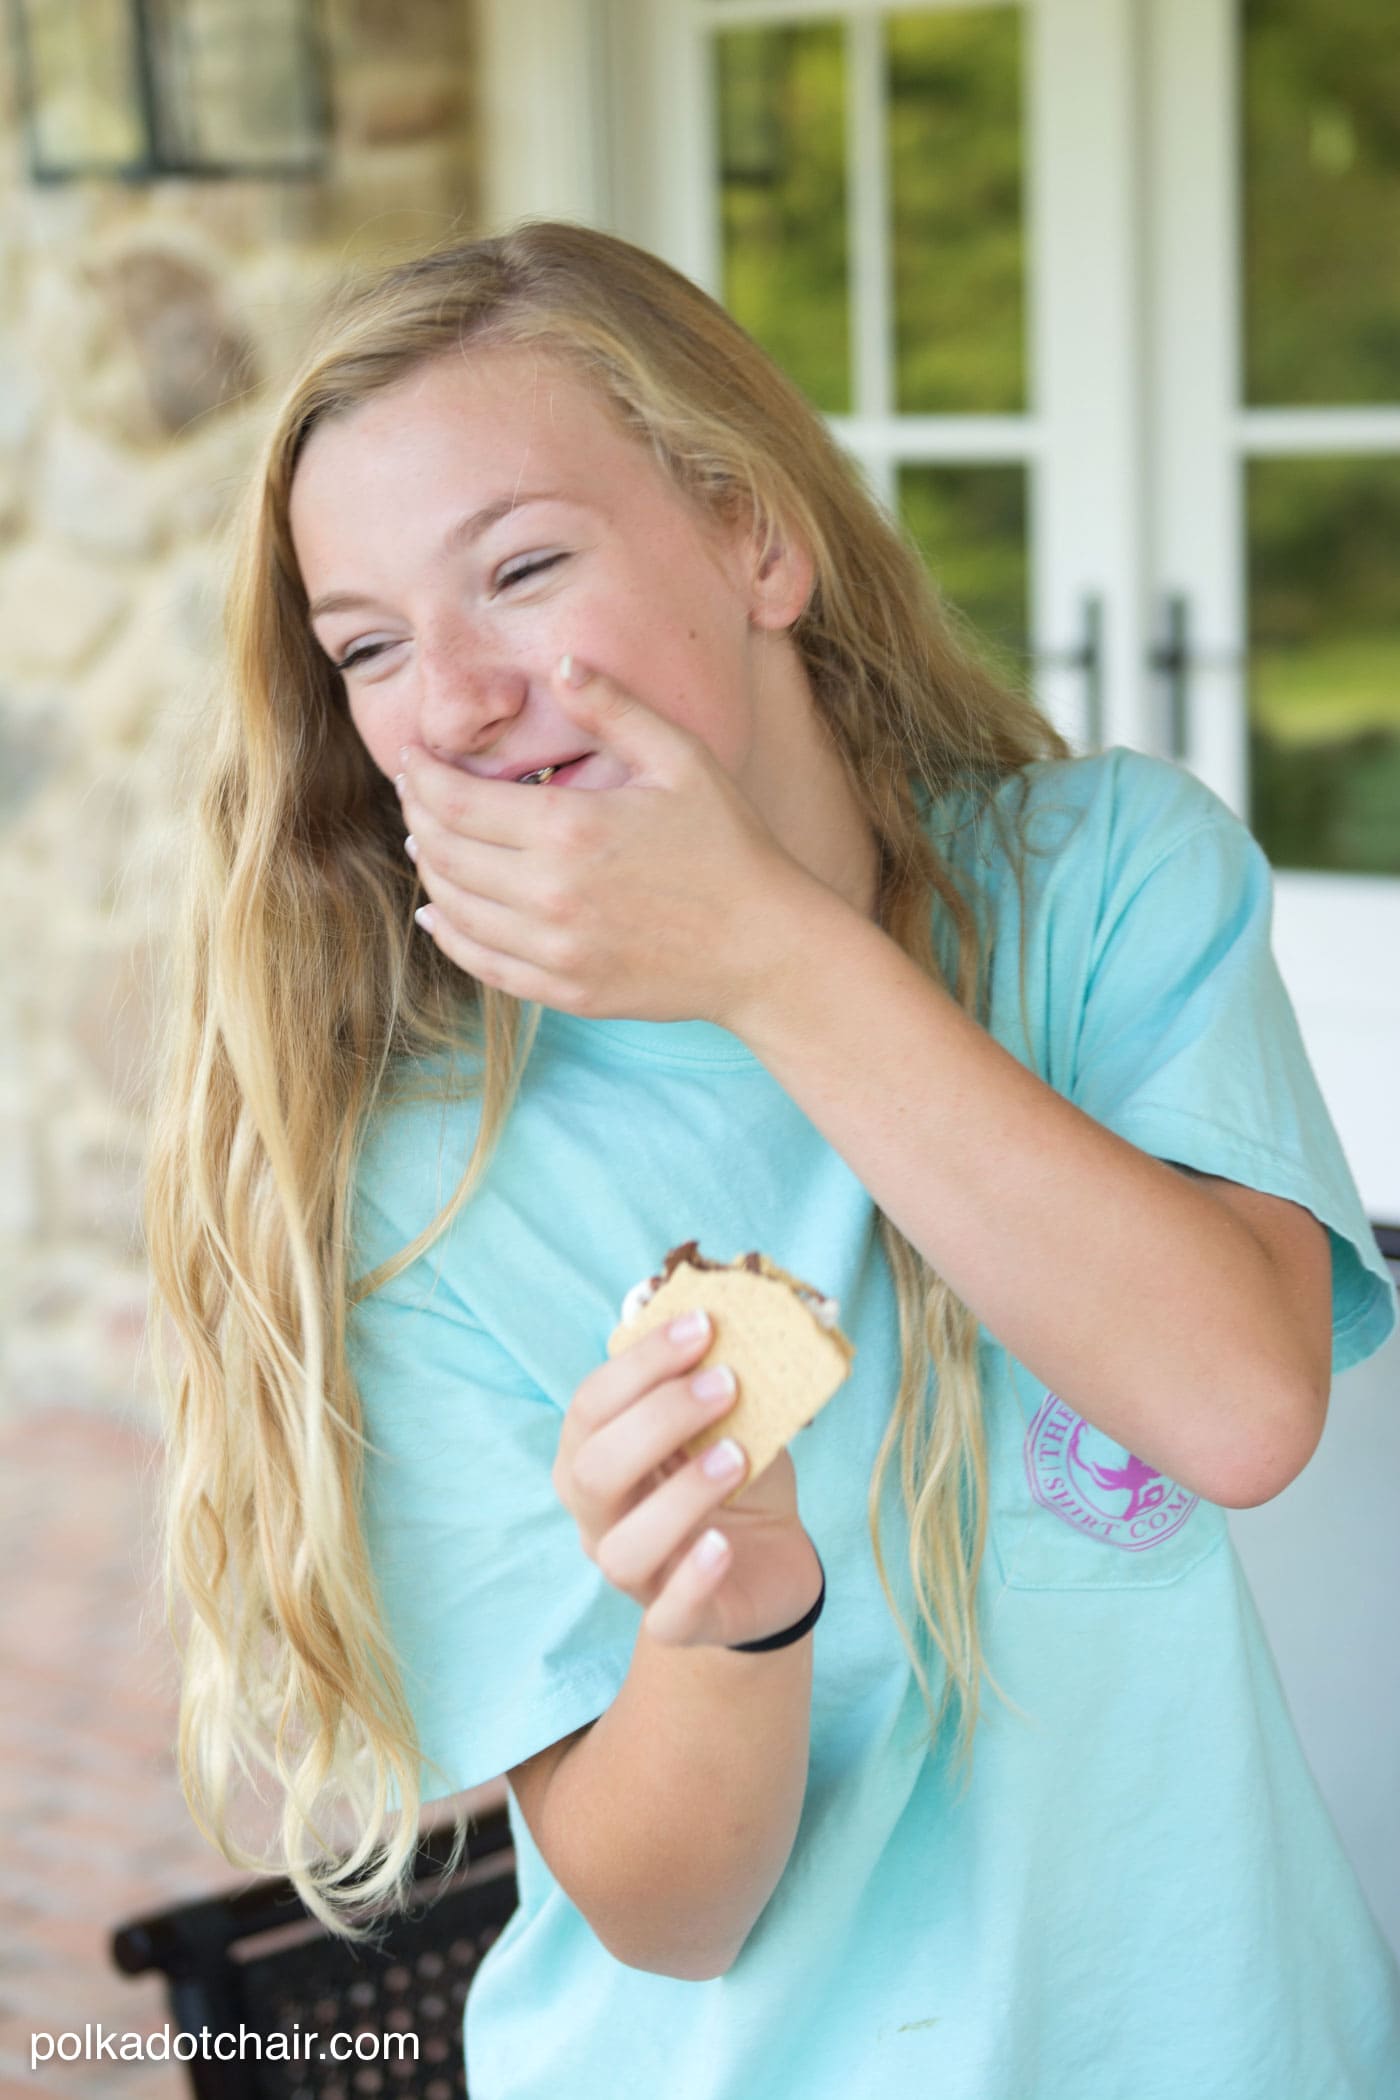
(789, 1634)
(792, 927)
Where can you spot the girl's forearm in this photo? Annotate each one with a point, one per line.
(1143, 1303)
(670, 1820)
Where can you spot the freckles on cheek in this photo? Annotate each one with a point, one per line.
(382, 743)
(366, 735)
(380, 736)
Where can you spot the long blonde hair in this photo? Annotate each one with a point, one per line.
(301, 998)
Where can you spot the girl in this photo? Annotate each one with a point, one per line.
(753, 910)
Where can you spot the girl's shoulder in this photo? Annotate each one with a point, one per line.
(412, 1149)
(1089, 822)
(1121, 787)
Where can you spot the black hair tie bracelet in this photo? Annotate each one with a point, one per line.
(792, 1633)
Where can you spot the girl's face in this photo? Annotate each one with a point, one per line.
(461, 531)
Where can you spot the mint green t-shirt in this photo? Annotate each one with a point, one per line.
(1141, 1895)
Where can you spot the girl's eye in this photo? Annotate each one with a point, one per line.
(353, 658)
(535, 567)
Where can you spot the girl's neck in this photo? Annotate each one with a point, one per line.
(806, 793)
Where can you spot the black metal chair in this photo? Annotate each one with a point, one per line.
(254, 1962)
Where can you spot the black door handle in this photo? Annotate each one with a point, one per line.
(1085, 656)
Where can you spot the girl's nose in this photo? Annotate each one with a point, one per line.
(465, 694)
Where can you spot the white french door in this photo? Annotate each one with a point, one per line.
(1097, 291)
(1271, 484)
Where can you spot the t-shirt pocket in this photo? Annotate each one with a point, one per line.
(1072, 1509)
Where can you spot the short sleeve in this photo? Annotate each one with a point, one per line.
(507, 1636)
(1189, 1046)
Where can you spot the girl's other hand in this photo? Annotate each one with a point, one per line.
(642, 1505)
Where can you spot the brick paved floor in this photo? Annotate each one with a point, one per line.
(93, 1827)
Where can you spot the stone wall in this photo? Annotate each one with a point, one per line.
(144, 328)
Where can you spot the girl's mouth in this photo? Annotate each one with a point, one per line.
(559, 774)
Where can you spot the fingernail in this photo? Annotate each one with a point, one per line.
(722, 1459)
(424, 916)
(689, 1327)
(403, 754)
(718, 1383)
(572, 671)
(400, 783)
(410, 847)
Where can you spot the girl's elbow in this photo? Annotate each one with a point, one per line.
(1274, 1460)
(1253, 1492)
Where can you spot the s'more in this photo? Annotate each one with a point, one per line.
(778, 1335)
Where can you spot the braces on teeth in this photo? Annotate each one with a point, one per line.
(538, 777)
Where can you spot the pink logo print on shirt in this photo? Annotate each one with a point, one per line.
(1083, 1476)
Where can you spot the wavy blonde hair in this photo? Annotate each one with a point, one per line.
(301, 999)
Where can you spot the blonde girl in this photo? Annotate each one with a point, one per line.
(609, 840)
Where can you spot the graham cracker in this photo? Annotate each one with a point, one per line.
(787, 1363)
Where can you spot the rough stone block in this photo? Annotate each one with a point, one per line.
(19, 1187)
(196, 483)
(57, 609)
(21, 401)
(31, 745)
(121, 695)
(94, 496)
(389, 105)
(194, 355)
(113, 1023)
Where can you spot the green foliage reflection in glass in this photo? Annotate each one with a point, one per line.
(1324, 683)
(780, 97)
(954, 79)
(969, 523)
(1321, 83)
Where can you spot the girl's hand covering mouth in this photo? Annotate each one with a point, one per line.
(657, 900)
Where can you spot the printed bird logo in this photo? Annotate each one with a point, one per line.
(1142, 1484)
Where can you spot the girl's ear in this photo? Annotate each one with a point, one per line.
(782, 579)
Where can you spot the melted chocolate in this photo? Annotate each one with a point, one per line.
(689, 1251)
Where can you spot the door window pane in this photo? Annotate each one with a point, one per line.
(1321, 83)
(81, 67)
(1324, 673)
(957, 234)
(780, 102)
(970, 524)
(236, 82)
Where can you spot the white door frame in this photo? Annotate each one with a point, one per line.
(544, 110)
